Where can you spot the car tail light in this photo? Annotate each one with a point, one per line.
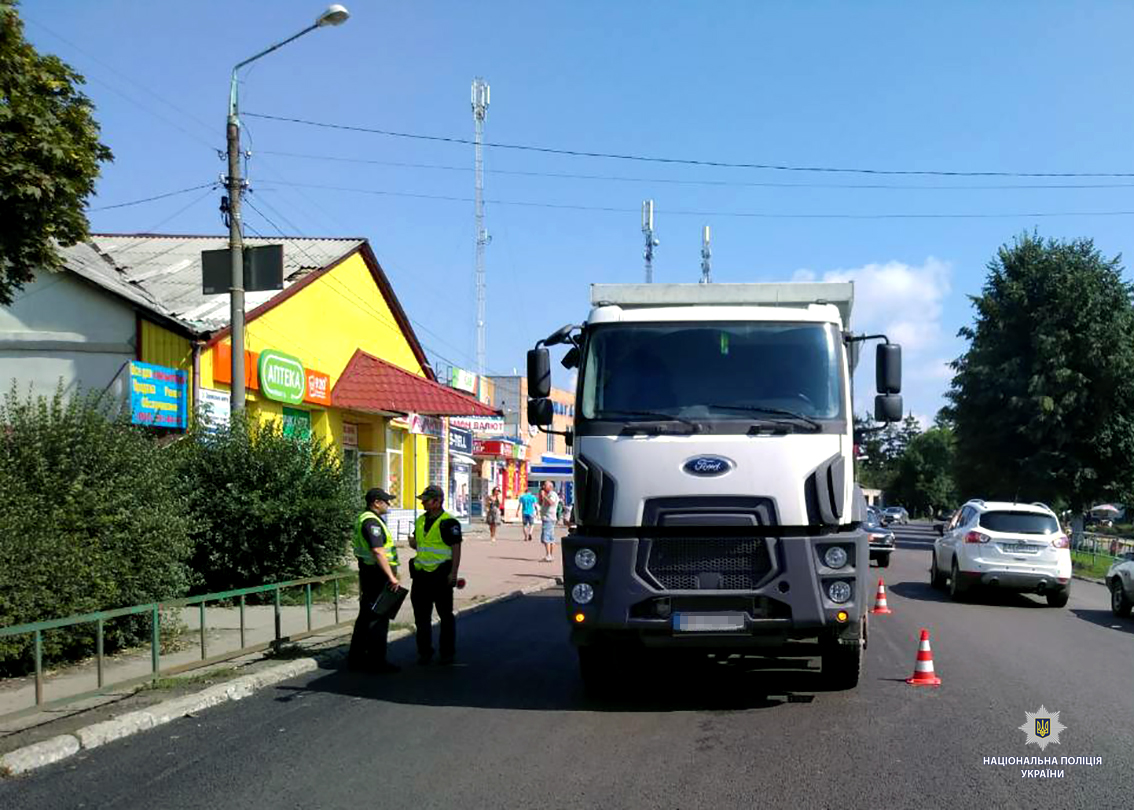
(976, 537)
(1061, 542)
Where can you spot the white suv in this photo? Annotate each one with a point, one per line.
(1016, 546)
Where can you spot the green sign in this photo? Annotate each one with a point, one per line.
(282, 377)
(296, 423)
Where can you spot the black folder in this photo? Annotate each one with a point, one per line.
(388, 603)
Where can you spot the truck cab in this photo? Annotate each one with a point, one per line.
(716, 508)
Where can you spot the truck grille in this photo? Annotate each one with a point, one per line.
(701, 563)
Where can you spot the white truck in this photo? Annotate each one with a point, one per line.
(715, 502)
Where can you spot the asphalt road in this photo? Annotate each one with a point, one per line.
(510, 726)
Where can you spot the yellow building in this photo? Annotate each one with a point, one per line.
(333, 352)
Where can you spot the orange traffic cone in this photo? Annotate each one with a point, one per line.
(923, 670)
(880, 600)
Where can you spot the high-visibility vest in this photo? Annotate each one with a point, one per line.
(362, 544)
(431, 549)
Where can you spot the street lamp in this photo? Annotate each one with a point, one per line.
(334, 15)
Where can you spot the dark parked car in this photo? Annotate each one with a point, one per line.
(881, 538)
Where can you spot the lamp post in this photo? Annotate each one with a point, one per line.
(334, 15)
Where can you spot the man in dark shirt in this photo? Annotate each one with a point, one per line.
(437, 540)
(373, 545)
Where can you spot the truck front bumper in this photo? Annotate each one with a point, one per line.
(785, 596)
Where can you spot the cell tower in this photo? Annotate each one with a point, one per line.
(706, 257)
(480, 112)
(651, 241)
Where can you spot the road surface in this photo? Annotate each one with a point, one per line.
(510, 726)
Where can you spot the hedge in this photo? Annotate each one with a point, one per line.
(93, 517)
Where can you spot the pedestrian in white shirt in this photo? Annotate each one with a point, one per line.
(548, 514)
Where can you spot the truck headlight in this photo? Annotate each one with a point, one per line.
(584, 593)
(585, 559)
(839, 592)
(835, 557)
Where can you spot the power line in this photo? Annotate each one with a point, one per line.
(740, 214)
(779, 167)
(352, 298)
(209, 186)
(721, 183)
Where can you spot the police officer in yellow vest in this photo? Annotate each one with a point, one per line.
(437, 540)
(373, 545)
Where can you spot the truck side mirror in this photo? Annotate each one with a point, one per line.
(888, 368)
(539, 375)
(571, 359)
(888, 408)
(540, 412)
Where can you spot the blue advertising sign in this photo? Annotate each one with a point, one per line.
(158, 396)
(460, 440)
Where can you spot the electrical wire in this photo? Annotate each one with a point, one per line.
(740, 214)
(211, 186)
(779, 167)
(351, 297)
(719, 183)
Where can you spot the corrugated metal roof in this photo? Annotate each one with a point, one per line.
(166, 270)
(83, 260)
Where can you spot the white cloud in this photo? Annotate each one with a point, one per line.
(904, 302)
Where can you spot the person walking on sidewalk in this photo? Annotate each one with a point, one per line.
(528, 513)
(437, 540)
(373, 545)
(492, 512)
(548, 514)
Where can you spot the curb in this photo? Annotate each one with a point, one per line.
(1089, 579)
(30, 757)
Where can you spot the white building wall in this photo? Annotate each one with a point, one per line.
(62, 329)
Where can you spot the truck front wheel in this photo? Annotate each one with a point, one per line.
(842, 664)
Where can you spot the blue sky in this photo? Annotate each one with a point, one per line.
(1004, 87)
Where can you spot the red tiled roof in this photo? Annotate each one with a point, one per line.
(370, 384)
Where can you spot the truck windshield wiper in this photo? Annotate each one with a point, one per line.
(807, 420)
(653, 416)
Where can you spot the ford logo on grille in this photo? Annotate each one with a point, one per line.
(707, 465)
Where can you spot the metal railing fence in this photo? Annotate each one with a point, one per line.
(154, 609)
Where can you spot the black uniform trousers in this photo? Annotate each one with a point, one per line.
(431, 589)
(368, 641)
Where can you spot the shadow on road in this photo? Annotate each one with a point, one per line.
(991, 597)
(921, 591)
(516, 656)
(1104, 618)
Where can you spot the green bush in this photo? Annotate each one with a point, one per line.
(269, 507)
(92, 518)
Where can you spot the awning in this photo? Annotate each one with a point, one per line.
(372, 385)
(552, 467)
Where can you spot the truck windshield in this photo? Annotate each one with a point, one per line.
(720, 371)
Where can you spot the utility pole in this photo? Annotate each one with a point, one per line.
(706, 257)
(334, 15)
(480, 99)
(236, 253)
(651, 241)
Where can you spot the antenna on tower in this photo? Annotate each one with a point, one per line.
(480, 98)
(651, 241)
(706, 257)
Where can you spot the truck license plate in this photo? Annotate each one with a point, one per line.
(708, 622)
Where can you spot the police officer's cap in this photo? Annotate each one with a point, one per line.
(378, 494)
(431, 491)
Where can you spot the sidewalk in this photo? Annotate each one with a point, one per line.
(490, 570)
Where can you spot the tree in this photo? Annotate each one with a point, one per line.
(51, 156)
(1043, 399)
(924, 481)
